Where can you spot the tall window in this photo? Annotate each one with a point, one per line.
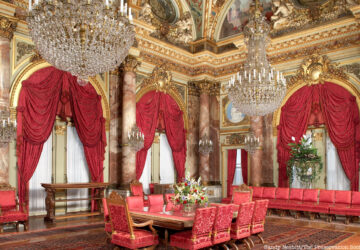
(145, 178)
(42, 174)
(167, 169)
(238, 178)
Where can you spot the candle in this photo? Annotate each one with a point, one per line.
(30, 5)
(3, 123)
(36, 2)
(15, 123)
(125, 9)
(130, 15)
(107, 3)
(122, 6)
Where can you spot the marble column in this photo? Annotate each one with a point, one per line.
(115, 99)
(256, 124)
(7, 28)
(204, 129)
(128, 171)
(268, 150)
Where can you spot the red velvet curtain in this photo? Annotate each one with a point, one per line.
(37, 108)
(341, 115)
(244, 165)
(147, 118)
(231, 163)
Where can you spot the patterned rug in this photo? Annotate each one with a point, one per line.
(93, 237)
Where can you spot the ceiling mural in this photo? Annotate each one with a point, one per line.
(196, 7)
(238, 16)
(164, 10)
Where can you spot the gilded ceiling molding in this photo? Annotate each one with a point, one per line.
(315, 69)
(7, 26)
(161, 80)
(353, 69)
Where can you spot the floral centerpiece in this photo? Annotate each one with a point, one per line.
(189, 193)
(304, 161)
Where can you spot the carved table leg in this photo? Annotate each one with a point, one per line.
(50, 204)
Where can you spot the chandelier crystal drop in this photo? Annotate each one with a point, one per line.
(251, 143)
(205, 145)
(7, 128)
(136, 138)
(259, 89)
(83, 37)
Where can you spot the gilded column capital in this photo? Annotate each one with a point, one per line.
(207, 87)
(130, 64)
(7, 27)
(193, 89)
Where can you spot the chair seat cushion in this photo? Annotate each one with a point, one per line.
(221, 237)
(239, 233)
(257, 228)
(345, 211)
(143, 238)
(10, 216)
(183, 240)
(226, 200)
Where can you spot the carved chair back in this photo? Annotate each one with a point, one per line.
(245, 214)
(119, 214)
(156, 202)
(136, 188)
(260, 209)
(223, 218)
(135, 203)
(241, 197)
(203, 222)
(243, 188)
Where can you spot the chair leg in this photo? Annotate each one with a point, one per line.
(1, 228)
(347, 219)
(224, 246)
(261, 238)
(17, 226)
(232, 244)
(312, 216)
(26, 225)
(252, 244)
(247, 244)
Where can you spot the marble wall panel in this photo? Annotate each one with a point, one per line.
(215, 137)
(192, 160)
(267, 161)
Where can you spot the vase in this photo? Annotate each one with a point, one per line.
(188, 209)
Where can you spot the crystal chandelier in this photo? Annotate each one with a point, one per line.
(251, 142)
(205, 145)
(136, 138)
(259, 89)
(83, 37)
(7, 128)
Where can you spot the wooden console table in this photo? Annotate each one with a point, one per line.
(50, 200)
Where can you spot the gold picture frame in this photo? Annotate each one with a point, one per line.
(227, 121)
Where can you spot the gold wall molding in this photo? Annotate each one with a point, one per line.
(31, 68)
(7, 26)
(161, 80)
(330, 73)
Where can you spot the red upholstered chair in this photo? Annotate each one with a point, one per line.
(258, 219)
(241, 197)
(257, 193)
(135, 203)
(108, 229)
(200, 235)
(241, 228)
(9, 208)
(342, 205)
(222, 224)
(156, 202)
(124, 230)
(136, 189)
(170, 205)
(228, 199)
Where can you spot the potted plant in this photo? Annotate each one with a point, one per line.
(190, 193)
(304, 162)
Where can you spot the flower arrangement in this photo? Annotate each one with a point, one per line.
(304, 161)
(190, 191)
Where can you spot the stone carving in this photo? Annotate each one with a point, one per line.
(130, 64)
(7, 27)
(235, 139)
(178, 33)
(181, 31)
(146, 14)
(353, 69)
(289, 16)
(24, 49)
(315, 69)
(282, 14)
(161, 78)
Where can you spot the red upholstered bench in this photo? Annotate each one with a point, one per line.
(342, 205)
(257, 193)
(269, 194)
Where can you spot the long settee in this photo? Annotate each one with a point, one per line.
(314, 201)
